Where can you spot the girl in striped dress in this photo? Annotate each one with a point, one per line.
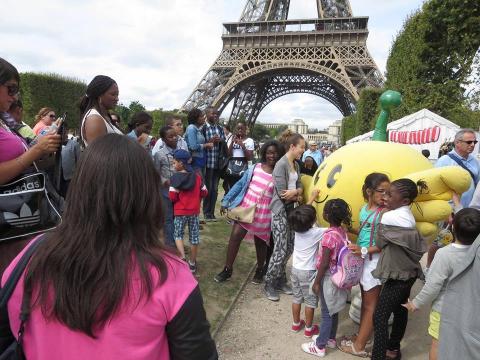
(255, 187)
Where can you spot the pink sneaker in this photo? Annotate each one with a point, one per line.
(297, 328)
(311, 348)
(314, 330)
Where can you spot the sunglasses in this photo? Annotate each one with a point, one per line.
(52, 116)
(12, 89)
(470, 142)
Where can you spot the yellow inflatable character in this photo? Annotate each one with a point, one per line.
(341, 175)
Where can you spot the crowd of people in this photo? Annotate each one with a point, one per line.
(118, 256)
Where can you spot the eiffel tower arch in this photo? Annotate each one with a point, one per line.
(265, 56)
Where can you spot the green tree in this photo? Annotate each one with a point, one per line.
(349, 128)
(277, 131)
(432, 60)
(259, 132)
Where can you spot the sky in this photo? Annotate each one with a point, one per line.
(159, 50)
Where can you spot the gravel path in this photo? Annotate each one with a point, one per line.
(260, 329)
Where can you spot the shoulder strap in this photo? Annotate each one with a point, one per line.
(462, 165)
(364, 222)
(11, 283)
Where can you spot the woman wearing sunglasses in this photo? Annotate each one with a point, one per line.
(15, 157)
(44, 118)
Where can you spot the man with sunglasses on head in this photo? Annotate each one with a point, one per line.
(461, 155)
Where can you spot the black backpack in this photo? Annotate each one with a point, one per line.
(10, 347)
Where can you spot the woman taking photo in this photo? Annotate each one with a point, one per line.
(196, 140)
(100, 97)
(15, 157)
(254, 188)
(119, 294)
(240, 151)
(45, 117)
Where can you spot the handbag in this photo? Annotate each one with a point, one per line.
(244, 214)
(11, 348)
(26, 207)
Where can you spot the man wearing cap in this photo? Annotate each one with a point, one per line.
(461, 155)
(314, 153)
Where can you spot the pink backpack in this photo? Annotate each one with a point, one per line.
(348, 271)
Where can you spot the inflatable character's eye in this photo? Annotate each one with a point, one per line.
(331, 177)
(317, 176)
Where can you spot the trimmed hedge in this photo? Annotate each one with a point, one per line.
(58, 92)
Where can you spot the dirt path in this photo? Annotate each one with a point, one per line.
(260, 329)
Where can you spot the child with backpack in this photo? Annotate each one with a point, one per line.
(186, 190)
(332, 298)
(373, 189)
(398, 266)
(302, 220)
(466, 228)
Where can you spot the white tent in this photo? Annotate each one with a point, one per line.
(421, 130)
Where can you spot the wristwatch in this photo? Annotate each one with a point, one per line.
(364, 252)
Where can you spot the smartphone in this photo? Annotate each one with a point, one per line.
(60, 125)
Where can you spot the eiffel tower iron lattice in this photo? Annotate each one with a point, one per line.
(265, 56)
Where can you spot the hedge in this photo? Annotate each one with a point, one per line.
(58, 92)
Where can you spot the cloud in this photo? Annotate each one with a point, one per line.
(159, 50)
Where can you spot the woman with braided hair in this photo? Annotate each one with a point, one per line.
(398, 267)
(100, 97)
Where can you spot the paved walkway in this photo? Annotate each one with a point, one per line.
(260, 329)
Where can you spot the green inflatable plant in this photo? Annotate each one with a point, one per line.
(389, 100)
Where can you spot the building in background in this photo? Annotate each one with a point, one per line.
(334, 132)
(328, 137)
(298, 126)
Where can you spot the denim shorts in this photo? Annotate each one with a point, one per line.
(301, 280)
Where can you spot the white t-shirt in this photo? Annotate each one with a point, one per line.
(237, 151)
(292, 180)
(402, 217)
(306, 247)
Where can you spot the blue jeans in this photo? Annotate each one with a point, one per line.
(168, 228)
(328, 323)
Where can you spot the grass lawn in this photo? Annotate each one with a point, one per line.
(211, 260)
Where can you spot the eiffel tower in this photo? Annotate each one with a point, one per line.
(265, 56)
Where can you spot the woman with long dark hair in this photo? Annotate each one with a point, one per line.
(254, 188)
(102, 285)
(100, 97)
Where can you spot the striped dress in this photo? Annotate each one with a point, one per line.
(263, 216)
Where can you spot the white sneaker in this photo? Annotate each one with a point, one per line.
(311, 348)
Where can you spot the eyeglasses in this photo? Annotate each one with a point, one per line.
(12, 89)
(381, 191)
(52, 116)
(469, 142)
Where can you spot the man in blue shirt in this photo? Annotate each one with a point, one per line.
(314, 153)
(461, 155)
